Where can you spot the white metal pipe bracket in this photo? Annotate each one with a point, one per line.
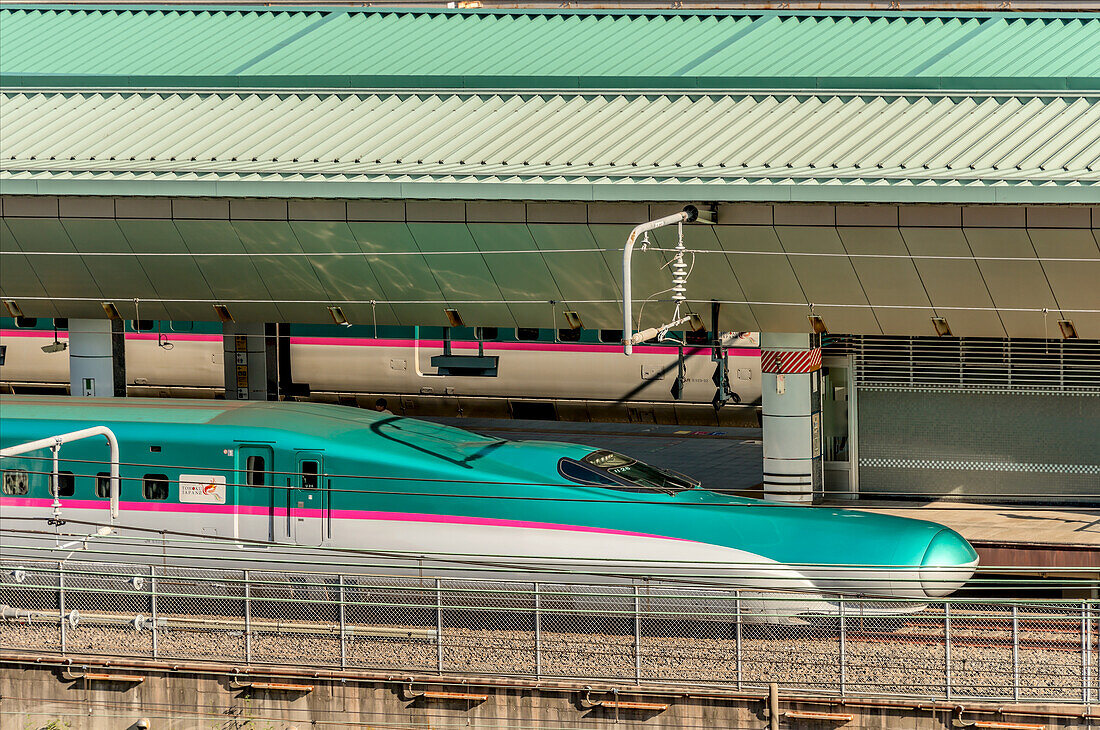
(54, 443)
(687, 215)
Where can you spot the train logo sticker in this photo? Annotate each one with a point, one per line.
(202, 489)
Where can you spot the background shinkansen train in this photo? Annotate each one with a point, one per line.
(577, 375)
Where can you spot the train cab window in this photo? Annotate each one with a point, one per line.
(155, 486)
(15, 481)
(66, 484)
(569, 335)
(26, 322)
(256, 471)
(527, 334)
(310, 473)
(103, 485)
(606, 468)
(615, 336)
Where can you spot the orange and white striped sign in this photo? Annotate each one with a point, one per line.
(783, 362)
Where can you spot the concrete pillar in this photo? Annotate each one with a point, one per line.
(790, 365)
(251, 361)
(97, 358)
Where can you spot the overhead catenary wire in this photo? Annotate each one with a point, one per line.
(539, 251)
(193, 554)
(679, 585)
(543, 302)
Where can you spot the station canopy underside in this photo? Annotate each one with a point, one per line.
(771, 266)
(478, 136)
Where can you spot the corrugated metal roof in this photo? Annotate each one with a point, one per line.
(555, 145)
(381, 48)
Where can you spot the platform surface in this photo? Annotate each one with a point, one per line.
(723, 458)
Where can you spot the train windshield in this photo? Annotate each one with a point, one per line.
(617, 471)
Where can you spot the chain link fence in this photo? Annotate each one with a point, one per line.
(997, 650)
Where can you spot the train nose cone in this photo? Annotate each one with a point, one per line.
(948, 563)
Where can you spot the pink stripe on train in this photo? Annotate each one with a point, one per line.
(371, 515)
(408, 344)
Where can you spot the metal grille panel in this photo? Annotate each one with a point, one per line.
(972, 364)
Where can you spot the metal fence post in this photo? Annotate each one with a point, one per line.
(637, 637)
(843, 650)
(61, 604)
(343, 628)
(538, 634)
(737, 628)
(439, 625)
(1084, 652)
(1015, 654)
(153, 607)
(247, 618)
(1096, 675)
(947, 649)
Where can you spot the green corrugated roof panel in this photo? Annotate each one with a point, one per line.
(381, 48)
(563, 145)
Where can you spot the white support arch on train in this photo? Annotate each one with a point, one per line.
(687, 215)
(54, 444)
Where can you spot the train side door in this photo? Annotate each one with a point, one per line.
(307, 500)
(254, 487)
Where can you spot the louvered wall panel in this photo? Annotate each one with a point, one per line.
(976, 419)
(1012, 365)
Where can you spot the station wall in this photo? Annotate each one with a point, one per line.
(972, 444)
(974, 417)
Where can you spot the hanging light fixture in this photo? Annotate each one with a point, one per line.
(338, 316)
(454, 317)
(573, 320)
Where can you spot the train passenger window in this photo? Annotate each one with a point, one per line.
(486, 333)
(255, 469)
(702, 337)
(26, 322)
(155, 486)
(310, 472)
(142, 325)
(527, 334)
(103, 485)
(61, 323)
(15, 481)
(569, 335)
(615, 336)
(66, 484)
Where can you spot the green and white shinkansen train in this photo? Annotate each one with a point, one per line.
(241, 480)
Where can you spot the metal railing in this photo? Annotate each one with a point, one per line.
(639, 634)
